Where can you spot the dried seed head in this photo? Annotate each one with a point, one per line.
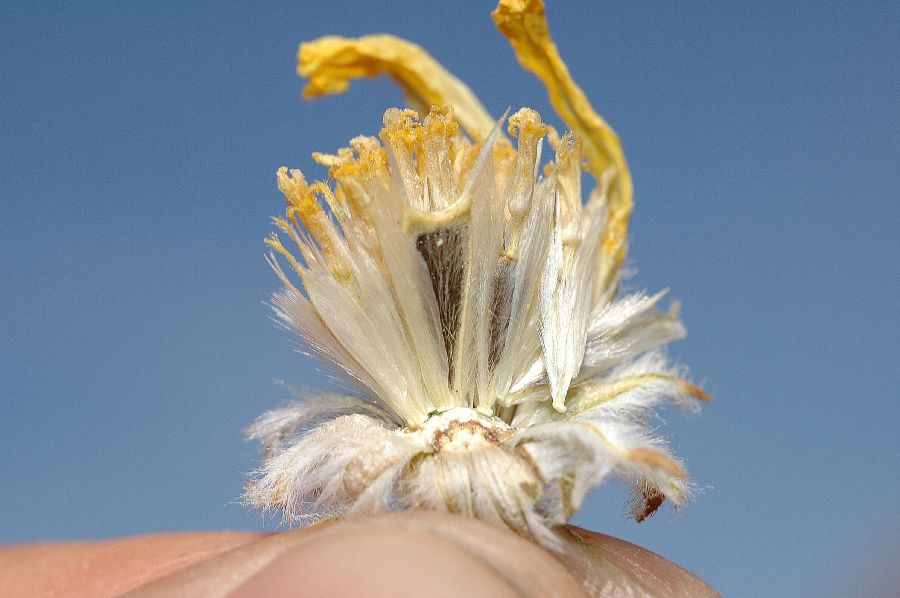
(472, 303)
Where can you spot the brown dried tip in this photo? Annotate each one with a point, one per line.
(647, 503)
(695, 391)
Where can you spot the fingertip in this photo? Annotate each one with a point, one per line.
(620, 563)
(433, 554)
(422, 554)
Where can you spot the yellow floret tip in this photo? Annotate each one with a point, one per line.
(305, 210)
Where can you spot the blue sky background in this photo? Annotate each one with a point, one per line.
(139, 145)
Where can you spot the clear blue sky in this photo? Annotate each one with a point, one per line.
(139, 145)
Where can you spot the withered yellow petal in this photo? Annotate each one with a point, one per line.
(524, 23)
(330, 63)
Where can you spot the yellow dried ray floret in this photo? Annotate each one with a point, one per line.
(331, 62)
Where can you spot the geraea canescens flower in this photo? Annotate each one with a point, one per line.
(470, 298)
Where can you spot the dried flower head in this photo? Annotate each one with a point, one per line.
(471, 301)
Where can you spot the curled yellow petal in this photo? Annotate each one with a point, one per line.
(330, 63)
(524, 24)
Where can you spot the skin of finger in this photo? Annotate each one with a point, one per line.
(658, 576)
(421, 554)
(107, 568)
(220, 575)
(214, 564)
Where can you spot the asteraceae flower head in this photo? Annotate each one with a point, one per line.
(470, 298)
